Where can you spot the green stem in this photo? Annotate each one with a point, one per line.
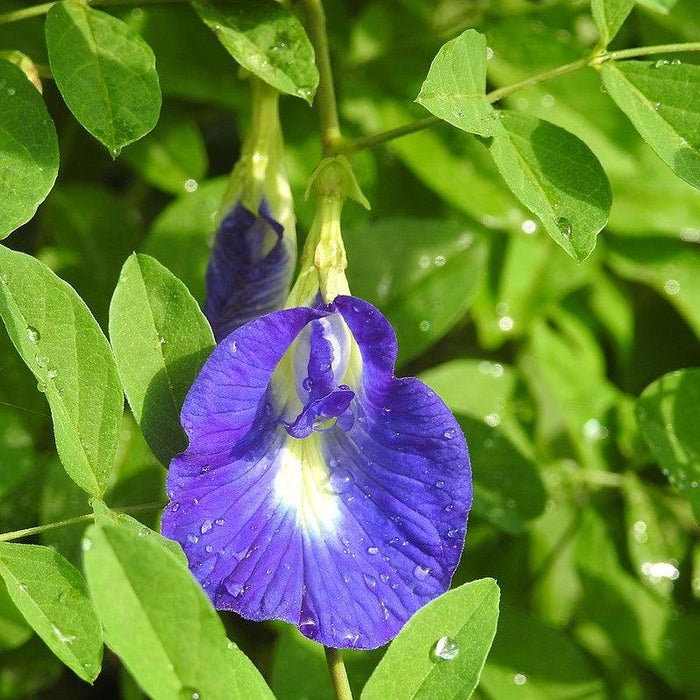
(339, 676)
(650, 50)
(359, 144)
(325, 96)
(39, 10)
(29, 531)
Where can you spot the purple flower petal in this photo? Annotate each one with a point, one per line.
(249, 270)
(345, 531)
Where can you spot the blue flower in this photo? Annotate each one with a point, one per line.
(317, 487)
(254, 251)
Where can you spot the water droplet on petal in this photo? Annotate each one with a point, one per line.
(421, 572)
(449, 433)
(235, 588)
(205, 527)
(219, 521)
(369, 580)
(372, 550)
(340, 480)
(446, 649)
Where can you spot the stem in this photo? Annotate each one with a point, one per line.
(359, 144)
(325, 96)
(339, 676)
(39, 10)
(27, 532)
(649, 50)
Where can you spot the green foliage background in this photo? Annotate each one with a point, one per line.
(586, 496)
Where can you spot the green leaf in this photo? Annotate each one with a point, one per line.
(105, 72)
(14, 631)
(266, 39)
(104, 517)
(534, 661)
(161, 623)
(662, 100)
(52, 596)
(61, 343)
(28, 670)
(556, 176)
(173, 156)
(663, 6)
(455, 89)
(508, 490)
(668, 411)
(609, 16)
(161, 340)
(410, 269)
(28, 149)
(441, 650)
(179, 237)
(671, 267)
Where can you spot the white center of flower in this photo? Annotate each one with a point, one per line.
(302, 483)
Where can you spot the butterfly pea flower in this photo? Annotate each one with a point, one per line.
(254, 250)
(318, 488)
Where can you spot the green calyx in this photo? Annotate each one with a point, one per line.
(323, 261)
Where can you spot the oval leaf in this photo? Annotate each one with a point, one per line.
(441, 651)
(105, 72)
(662, 100)
(160, 339)
(555, 175)
(455, 89)
(28, 149)
(266, 39)
(160, 622)
(609, 16)
(61, 343)
(668, 412)
(52, 596)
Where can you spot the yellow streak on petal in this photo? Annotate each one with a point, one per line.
(302, 483)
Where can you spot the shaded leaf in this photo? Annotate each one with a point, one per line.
(556, 176)
(609, 16)
(669, 412)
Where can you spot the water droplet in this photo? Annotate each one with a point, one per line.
(11, 91)
(205, 527)
(188, 693)
(52, 374)
(144, 532)
(489, 53)
(528, 226)
(219, 521)
(372, 550)
(307, 624)
(22, 586)
(307, 384)
(519, 679)
(424, 326)
(33, 335)
(449, 433)
(672, 287)
(4, 278)
(161, 341)
(564, 226)
(234, 346)
(445, 649)
(676, 62)
(662, 62)
(41, 360)
(41, 387)
(369, 580)
(235, 588)
(439, 484)
(493, 419)
(421, 572)
(506, 323)
(657, 105)
(86, 544)
(440, 260)
(191, 185)
(65, 638)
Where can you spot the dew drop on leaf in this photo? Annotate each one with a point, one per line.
(33, 335)
(564, 226)
(445, 649)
